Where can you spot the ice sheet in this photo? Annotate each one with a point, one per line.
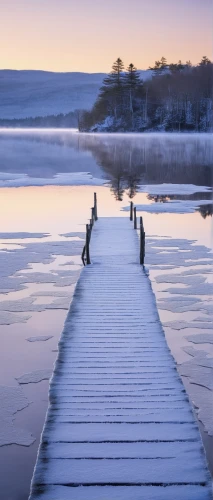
(172, 189)
(171, 207)
(34, 377)
(12, 401)
(40, 339)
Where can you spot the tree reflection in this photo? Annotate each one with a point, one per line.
(206, 210)
(130, 161)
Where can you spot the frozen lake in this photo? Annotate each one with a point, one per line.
(47, 181)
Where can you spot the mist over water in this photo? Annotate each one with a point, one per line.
(125, 159)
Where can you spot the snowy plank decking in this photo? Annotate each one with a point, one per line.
(119, 426)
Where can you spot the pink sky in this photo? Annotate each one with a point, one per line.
(88, 35)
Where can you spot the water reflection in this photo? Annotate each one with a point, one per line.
(206, 210)
(127, 160)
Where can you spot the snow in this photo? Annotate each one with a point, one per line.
(12, 401)
(123, 493)
(124, 471)
(171, 207)
(116, 400)
(173, 189)
(117, 450)
(34, 377)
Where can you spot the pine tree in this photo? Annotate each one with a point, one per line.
(180, 65)
(111, 90)
(132, 82)
(117, 70)
(204, 61)
(163, 62)
(159, 67)
(156, 68)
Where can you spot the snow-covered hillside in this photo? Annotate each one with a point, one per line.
(39, 93)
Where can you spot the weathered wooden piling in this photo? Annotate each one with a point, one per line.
(131, 210)
(135, 218)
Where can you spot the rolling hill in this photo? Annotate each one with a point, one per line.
(31, 93)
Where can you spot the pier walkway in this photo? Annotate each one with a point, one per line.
(119, 425)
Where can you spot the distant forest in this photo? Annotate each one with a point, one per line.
(178, 97)
(69, 120)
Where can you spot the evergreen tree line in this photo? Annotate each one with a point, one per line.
(61, 120)
(176, 97)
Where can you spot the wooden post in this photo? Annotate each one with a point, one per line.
(95, 207)
(142, 242)
(135, 218)
(131, 210)
(83, 254)
(87, 243)
(92, 215)
(141, 246)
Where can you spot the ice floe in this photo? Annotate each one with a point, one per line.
(199, 371)
(204, 318)
(60, 179)
(197, 260)
(42, 338)
(22, 235)
(172, 189)
(179, 278)
(28, 304)
(34, 377)
(184, 304)
(12, 263)
(8, 318)
(12, 401)
(181, 325)
(74, 235)
(50, 293)
(171, 207)
(202, 289)
(177, 253)
(201, 338)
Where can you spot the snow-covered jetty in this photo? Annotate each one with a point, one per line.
(119, 425)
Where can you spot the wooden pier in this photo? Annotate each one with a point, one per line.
(119, 424)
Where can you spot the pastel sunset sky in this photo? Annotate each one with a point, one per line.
(88, 35)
